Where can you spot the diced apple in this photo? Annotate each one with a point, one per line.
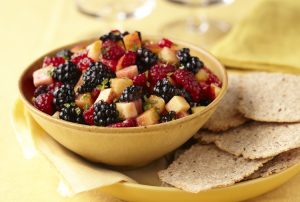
(216, 89)
(149, 117)
(79, 83)
(119, 84)
(154, 47)
(198, 109)
(56, 115)
(128, 72)
(84, 101)
(202, 75)
(182, 114)
(168, 55)
(139, 105)
(157, 102)
(107, 95)
(177, 104)
(94, 50)
(119, 64)
(127, 110)
(43, 76)
(132, 41)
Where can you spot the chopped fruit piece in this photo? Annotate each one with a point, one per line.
(43, 76)
(165, 43)
(119, 84)
(53, 61)
(132, 41)
(168, 55)
(168, 117)
(44, 102)
(202, 75)
(139, 105)
(84, 101)
(56, 115)
(198, 109)
(216, 89)
(106, 95)
(79, 83)
(128, 72)
(140, 80)
(153, 47)
(88, 115)
(105, 113)
(177, 104)
(112, 64)
(181, 115)
(159, 71)
(149, 117)
(126, 123)
(127, 110)
(157, 102)
(112, 50)
(94, 50)
(126, 60)
(187, 80)
(77, 48)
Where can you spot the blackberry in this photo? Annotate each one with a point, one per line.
(182, 92)
(94, 76)
(165, 90)
(65, 53)
(67, 73)
(105, 113)
(62, 95)
(131, 93)
(145, 59)
(114, 35)
(193, 64)
(40, 90)
(71, 113)
(168, 117)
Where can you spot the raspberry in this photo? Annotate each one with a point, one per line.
(88, 116)
(54, 61)
(40, 90)
(105, 113)
(110, 63)
(207, 92)
(129, 59)
(43, 102)
(159, 71)
(140, 80)
(81, 60)
(95, 93)
(213, 79)
(187, 80)
(127, 123)
(54, 85)
(111, 50)
(165, 43)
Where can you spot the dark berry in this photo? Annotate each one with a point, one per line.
(165, 90)
(168, 117)
(187, 80)
(110, 63)
(140, 80)
(165, 43)
(105, 113)
(40, 90)
(71, 113)
(183, 55)
(54, 61)
(43, 102)
(88, 116)
(159, 71)
(62, 95)
(188, 62)
(67, 73)
(81, 60)
(145, 59)
(131, 93)
(94, 76)
(65, 53)
(114, 35)
(112, 50)
(53, 86)
(127, 123)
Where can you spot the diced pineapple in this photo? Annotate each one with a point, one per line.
(177, 104)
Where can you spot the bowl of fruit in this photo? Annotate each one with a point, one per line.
(123, 99)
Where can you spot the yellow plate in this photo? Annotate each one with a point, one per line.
(145, 193)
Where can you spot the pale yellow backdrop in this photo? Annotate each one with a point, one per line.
(31, 27)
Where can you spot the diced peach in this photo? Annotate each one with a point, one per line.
(84, 101)
(43, 76)
(128, 72)
(132, 41)
(127, 110)
(94, 50)
(119, 64)
(107, 95)
(202, 75)
(177, 104)
(168, 55)
(157, 102)
(149, 117)
(216, 89)
(119, 84)
(154, 47)
(79, 83)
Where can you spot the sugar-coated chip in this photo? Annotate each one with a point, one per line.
(278, 164)
(227, 115)
(270, 97)
(257, 140)
(204, 167)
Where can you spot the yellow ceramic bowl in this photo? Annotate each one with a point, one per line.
(122, 146)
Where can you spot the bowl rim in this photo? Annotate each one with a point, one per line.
(137, 129)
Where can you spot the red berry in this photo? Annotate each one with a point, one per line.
(52, 86)
(187, 80)
(81, 60)
(110, 63)
(95, 93)
(159, 71)
(207, 92)
(44, 102)
(54, 61)
(129, 59)
(127, 123)
(140, 80)
(165, 43)
(213, 79)
(88, 116)
(111, 50)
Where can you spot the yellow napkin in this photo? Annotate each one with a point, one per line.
(267, 39)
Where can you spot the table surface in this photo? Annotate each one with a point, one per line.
(30, 28)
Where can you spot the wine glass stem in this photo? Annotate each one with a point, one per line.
(198, 21)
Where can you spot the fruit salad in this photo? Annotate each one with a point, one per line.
(121, 80)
